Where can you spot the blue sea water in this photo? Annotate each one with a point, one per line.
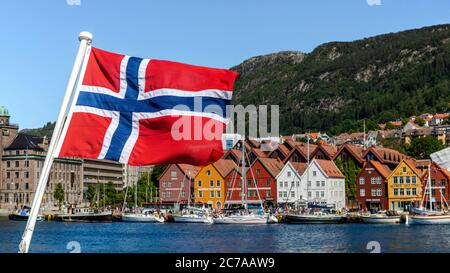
(173, 237)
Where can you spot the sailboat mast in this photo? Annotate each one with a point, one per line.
(243, 174)
(429, 188)
(307, 171)
(136, 195)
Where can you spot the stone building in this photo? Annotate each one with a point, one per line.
(22, 163)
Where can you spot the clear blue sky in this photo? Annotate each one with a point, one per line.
(39, 38)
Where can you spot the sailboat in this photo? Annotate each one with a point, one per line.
(144, 216)
(244, 216)
(430, 216)
(324, 216)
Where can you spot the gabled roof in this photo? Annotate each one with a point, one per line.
(411, 164)
(329, 168)
(189, 170)
(382, 169)
(272, 165)
(258, 152)
(282, 149)
(299, 167)
(329, 150)
(26, 142)
(355, 150)
(224, 166)
(237, 154)
(386, 155)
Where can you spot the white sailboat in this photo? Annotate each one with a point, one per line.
(244, 216)
(430, 216)
(145, 216)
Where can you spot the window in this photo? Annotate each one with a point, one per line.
(404, 169)
(211, 183)
(323, 183)
(292, 194)
(322, 194)
(218, 194)
(314, 173)
(373, 192)
(414, 191)
(200, 194)
(280, 194)
(199, 183)
(317, 194)
(229, 183)
(258, 171)
(211, 194)
(361, 181)
(27, 174)
(400, 179)
(281, 184)
(309, 194)
(395, 180)
(433, 182)
(362, 192)
(395, 191)
(8, 164)
(289, 174)
(379, 192)
(268, 182)
(408, 180)
(285, 194)
(218, 183)
(268, 193)
(173, 174)
(17, 174)
(183, 194)
(292, 184)
(408, 191)
(285, 184)
(27, 186)
(8, 175)
(17, 164)
(318, 183)
(413, 178)
(402, 192)
(441, 182)
(298, 183)
(208, 172)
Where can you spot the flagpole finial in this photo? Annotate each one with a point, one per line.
(85, 35)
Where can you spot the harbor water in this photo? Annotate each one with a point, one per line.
(176, 237)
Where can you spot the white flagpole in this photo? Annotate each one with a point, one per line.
(85, 39)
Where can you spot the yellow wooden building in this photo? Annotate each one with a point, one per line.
(404, 186)
(209, 186)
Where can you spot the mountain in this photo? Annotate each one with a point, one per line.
(338, 84)
(46, 130)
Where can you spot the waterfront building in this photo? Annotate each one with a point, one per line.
(261, 181)
(372, 186)
(22, 163)
(404, 185)
(233, 187)
(386, 156)
(176, 184)
(440, 178)
(97, 172)
(281, 152)
(290, 188)
(210, 183)
(350, 152)
(325, 183)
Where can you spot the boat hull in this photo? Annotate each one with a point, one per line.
(428, 220)
(242, 220)
(311, 219)
(85, 217)
(136, 218)
(189, 219)
(381, 220)
(18, 217)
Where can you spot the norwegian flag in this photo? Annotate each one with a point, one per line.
(141, 111)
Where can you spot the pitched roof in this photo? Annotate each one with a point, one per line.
(355, 150)
(386, 155)
(258, 152)
(237, 154)
(300, 167)
(330, 169)
(224, 166)
(412, 164)
(26, 142)
(331, 150)
(272, 165)
(189, 170)
(381, 168)
(441, 116)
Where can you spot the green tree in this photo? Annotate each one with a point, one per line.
(421, 148)
(90, 194)
(419, 121)
(350, 170)
(58, 194)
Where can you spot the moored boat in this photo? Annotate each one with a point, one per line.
(241, 219)
(313, 218)
(87, 217)
(443, 219)
(193, 215)
(142, 218)
(23, 214)
(379, 218)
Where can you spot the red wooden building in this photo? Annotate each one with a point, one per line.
(175, 181)
(371, 186)
(440, 179)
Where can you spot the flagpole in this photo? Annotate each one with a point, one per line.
(85, 39)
